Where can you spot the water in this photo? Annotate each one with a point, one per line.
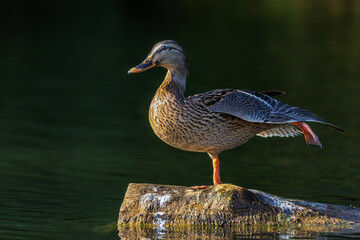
(74, 128)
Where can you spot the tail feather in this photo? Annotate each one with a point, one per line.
(281, 130)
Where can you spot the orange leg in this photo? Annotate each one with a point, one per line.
(309, 135)
(216, 173)
(216, 166)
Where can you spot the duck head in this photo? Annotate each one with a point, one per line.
(168, 54)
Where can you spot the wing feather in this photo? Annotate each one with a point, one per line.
(273, 93)
(257, 107)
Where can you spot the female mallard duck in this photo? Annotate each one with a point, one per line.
(220, 119)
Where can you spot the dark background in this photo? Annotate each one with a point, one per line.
(73, 125)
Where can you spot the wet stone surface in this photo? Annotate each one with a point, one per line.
(225, 204)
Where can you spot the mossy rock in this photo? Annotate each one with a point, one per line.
(149, 205)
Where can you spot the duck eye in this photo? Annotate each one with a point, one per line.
(165, 48)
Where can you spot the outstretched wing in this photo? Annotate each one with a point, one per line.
(257, 107)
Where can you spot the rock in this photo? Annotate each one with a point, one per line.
(223, 205)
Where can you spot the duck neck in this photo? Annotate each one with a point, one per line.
(175, 83)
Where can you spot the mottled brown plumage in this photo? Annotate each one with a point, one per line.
(187, 123)
(217, 120)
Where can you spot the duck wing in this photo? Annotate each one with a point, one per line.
(258, 107)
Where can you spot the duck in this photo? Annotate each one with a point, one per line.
(217, 120)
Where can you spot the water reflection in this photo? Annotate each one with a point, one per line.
(245, 232)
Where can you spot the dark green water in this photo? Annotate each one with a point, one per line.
(73, 125)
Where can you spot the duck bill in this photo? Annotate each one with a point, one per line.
(145, 65)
